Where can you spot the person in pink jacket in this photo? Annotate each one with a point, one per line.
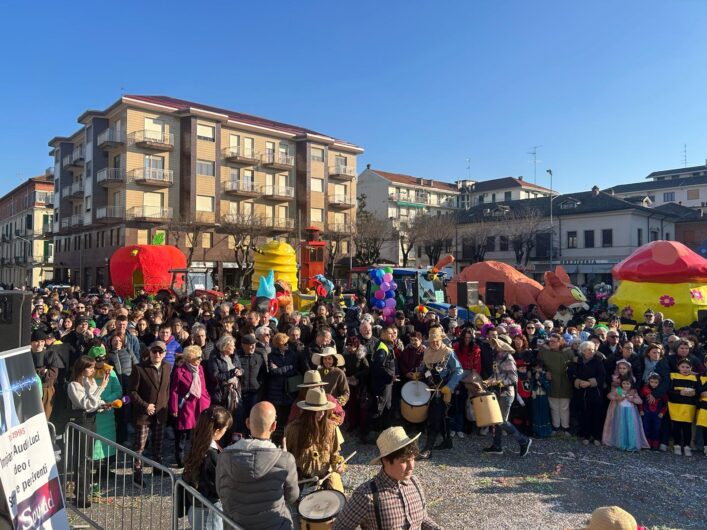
(188, 397)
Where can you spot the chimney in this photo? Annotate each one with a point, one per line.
(595, 191)
(368, 166)
(520, 178)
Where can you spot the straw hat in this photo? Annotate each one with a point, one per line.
(312, 379)
(506, 339)
(327, 352)
(436, 333)
(611, 518)
(316, 400)
(390, 440)
(501, 345)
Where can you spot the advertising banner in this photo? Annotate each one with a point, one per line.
(28, 470)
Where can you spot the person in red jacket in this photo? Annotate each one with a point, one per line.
(469, 355)
(652, 413)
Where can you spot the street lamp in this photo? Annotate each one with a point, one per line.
(552, 228)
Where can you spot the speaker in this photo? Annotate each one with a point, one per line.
(467, 293)
(15, 319)
(495, 293)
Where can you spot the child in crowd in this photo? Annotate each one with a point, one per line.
(702, 411)
(540, 405)
(681, 405)
(653, 413)
(623, 428)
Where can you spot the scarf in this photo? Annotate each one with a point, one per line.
(195, 388)
(649, 369)
(432, 357)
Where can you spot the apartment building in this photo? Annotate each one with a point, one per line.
(26, 247)
(400, 198)
(590, 232)
(135, 168)
(686, 186)
(472, 192)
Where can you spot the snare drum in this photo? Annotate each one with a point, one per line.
(486, 410)
(415, 401)
(318, 510)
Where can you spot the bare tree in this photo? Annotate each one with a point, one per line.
(370, 234)
(522, 228)
(474, 238)
(186, 228)
(335, 236)
(410, 233)
(245, 231)
(438, 236)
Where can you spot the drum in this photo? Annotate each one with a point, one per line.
(486, 410)
(319, 509)
(415, 401)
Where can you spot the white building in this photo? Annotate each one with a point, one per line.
(686, 186)
(592, 230)
(472, 192)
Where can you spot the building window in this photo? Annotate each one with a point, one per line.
(481, 199)
(234, 173)
(317, 154)
(589, 239)
(206, 240)
(693, 195)
(572, 239)
(317, 185)
(141, 237)
(204, 203)
(639, 236)
(654, 235)
(493, 197)
(607, 237)
(317, 215)
(205, 167)
(507, 196)
(503, 243)
(88, 202)
(491, 243)
(206, 133)
(669, 196)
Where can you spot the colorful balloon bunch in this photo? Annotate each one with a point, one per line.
(384, 297)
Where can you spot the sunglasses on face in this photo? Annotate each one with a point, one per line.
(157, 352)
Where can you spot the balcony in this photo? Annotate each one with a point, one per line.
(278, 193)
(149, 213)
(416, 201)
(206, 217)
(110, 138)
(281, 224)
(153, 140)
(20, 260)
(244, 156)
(340, 201)
(110, 214)
(341, 228)
(278, 161)
(77, 190)
(66, 191)
(157, 178)
(342, 173)
(47, 229)
(43, 198)
(241, 187)
(76, 159)
(112, 177)
(65, 222)
(41, 259)
(77, 219)
(5, 239)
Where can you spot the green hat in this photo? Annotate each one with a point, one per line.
(92, 323)
(97, 351)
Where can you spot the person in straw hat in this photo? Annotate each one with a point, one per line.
(313, 379)
(330, 366)
(441, 370)
(312, 439)
(612, 518)
(503, 383)
(394, 497)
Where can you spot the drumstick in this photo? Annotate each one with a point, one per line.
(313, 479)
(320, 482)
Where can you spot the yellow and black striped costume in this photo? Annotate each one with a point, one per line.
(702, 409)
(682, 408)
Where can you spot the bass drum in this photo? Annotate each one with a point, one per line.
(318, 510)
(415, 401)
(486, 410)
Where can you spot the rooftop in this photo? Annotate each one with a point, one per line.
(659, 184)
(507, 182)
(416, 181)
(677, 171)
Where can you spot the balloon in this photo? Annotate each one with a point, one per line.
(387, 277)
(377, 280)
(373, 273)
(385, 286)
(388, 270)
(387, 311)
(393, 286)
(379, 274)
(390, 293)
(390, 302)
(380, 295)
(379, 304)
(390, 319)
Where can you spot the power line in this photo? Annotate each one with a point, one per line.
(534, 152)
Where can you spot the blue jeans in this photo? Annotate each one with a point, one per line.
(201, 519)
(505, 403)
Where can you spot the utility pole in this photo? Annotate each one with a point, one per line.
(552, 228)
(534, 152)
(684, 155)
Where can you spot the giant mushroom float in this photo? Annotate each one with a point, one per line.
(147, 267)
(665, 276)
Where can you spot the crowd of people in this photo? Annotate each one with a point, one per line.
(220, 379)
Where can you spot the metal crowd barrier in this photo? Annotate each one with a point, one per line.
(102, 492)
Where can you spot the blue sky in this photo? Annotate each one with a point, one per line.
(610, 89)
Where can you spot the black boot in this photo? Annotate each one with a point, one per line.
(445, 444)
